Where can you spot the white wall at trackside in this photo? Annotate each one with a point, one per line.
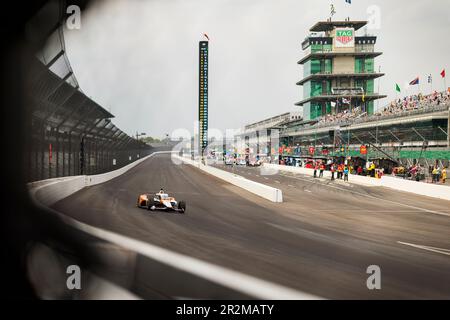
(266, 192)
(50, 191)
(420, 188)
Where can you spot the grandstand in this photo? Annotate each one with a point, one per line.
(403, 136)
(338, 109)
(70, 134)
(406, 131)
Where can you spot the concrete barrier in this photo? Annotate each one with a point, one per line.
(266, 192)
(420, 188)
(103, 177)
(50, 191)
(361, 180)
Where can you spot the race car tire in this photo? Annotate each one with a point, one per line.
(182, 206)
(151, 207)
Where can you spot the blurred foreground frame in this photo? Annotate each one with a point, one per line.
(44, 112)
(38, 244)
(25, 225)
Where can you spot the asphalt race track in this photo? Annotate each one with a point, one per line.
(320, 240)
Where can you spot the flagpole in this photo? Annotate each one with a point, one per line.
(444, 76)
(430, 81)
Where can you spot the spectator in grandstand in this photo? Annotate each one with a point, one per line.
(359, 171)
(409, 103)
(371, 169)
(379, 173)
(435, 174)
(416, 102)
(346, 170)
(321, 168)
(413, 172)
(420, 172)
(332, 169)
(444, 175)
(340, 170)
(316, 167)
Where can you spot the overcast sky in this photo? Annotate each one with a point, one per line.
(139, 60)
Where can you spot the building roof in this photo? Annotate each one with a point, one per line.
(338, 54)
(369, 75)
(330, 25)
(395, 120)
(334, 97)
(269, 121)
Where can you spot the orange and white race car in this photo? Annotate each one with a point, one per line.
(160, 201)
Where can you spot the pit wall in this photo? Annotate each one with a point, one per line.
(266, 192)
(420, 188)
(50, 191)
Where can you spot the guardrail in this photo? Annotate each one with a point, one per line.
(266, 192)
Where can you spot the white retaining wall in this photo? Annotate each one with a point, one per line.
(266, 192)
(50, 191)
(421, 188)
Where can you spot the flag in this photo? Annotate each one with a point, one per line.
(414, 82)
(332, 10)
(397, 88)
(206, 36)
(443, 73)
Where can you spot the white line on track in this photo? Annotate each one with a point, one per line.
(252, 286)
(428, 248)
(373, 197)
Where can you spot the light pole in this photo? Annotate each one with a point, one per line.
(379, 80)
(139, 145)
(140, 135)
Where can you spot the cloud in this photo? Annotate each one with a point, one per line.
(139, 58)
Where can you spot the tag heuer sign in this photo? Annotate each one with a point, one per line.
(345, 37)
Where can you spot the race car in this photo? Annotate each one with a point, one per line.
(229, 161)
(254, 163)
(160, 201)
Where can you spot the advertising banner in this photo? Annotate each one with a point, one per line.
(345, 38)
(363, 149)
